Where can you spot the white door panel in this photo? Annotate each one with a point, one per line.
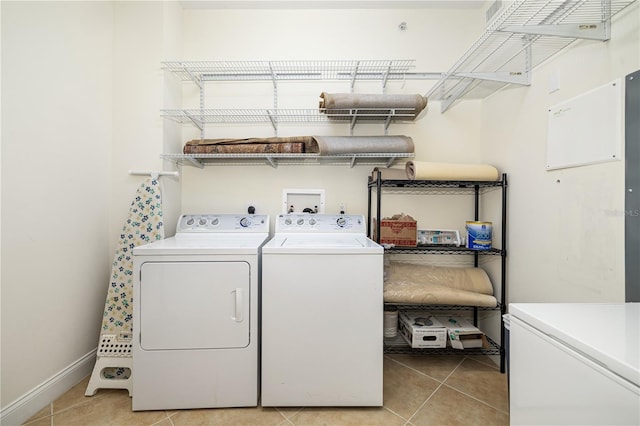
(194, 305)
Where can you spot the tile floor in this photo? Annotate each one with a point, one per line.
(418, 390)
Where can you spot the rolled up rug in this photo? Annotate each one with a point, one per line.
(423, 170)
(332, 145)
(403, 104)
(293, 145)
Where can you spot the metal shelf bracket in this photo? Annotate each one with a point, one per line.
(272, 162)
(513, 77)
(594, 31)
(195, 162)
(197, 122)
(524, 35)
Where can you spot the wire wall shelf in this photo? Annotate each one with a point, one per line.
(422, 307)
(275, 159)
(452, 250)
(398, 345)
(524, 35)
(349, 70)
(274, 116)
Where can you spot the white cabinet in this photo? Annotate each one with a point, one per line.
(574, 363)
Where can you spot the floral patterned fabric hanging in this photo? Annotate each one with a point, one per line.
(143, 225)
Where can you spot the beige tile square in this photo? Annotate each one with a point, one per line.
(258, 416)
(481, 381)
(75, 396)
(288, 412)
(44, 413)
(435, 366)
(346, 416)
(41, 417)
(404, 389)
(112, 408)
(452, 408)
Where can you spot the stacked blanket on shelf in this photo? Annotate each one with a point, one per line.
(410, 283)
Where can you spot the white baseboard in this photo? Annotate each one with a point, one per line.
(51, 389)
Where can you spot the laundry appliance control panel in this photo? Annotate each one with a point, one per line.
(200, 223)
(320, 223)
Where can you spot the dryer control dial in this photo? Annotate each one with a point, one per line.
(341, 222)
(245, 222)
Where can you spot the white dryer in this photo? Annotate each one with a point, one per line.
(195, 314)
(322, 313)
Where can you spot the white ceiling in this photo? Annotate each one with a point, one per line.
(333, 4)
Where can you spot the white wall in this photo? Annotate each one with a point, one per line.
(56, 136)
(82, 90)
(566, 227)
(431, 40)
(144, 34)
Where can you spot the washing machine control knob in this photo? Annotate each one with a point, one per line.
(202, 221)
(341, 222)
(215, 221)
(312, 221)
(300, 221)
(245, 222)
(287, 221)
(190, 221)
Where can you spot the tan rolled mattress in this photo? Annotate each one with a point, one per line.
(409, 283)
(423, 170)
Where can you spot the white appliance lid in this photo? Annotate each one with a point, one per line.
(321, 243)
(607, 332)
(206, 243)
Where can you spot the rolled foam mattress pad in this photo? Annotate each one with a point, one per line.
(334, 145)
(423, 170)
(409, 283)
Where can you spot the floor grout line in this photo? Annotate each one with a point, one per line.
(288, 415)
(435, 391)
(417, 371)
(394, 413)
(475, 398)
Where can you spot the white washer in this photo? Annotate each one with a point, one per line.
(322, 313)
(195, 314)
(574, 363)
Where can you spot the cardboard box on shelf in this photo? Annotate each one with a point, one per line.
(422, 330)
(400, 230)
(462, 334)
